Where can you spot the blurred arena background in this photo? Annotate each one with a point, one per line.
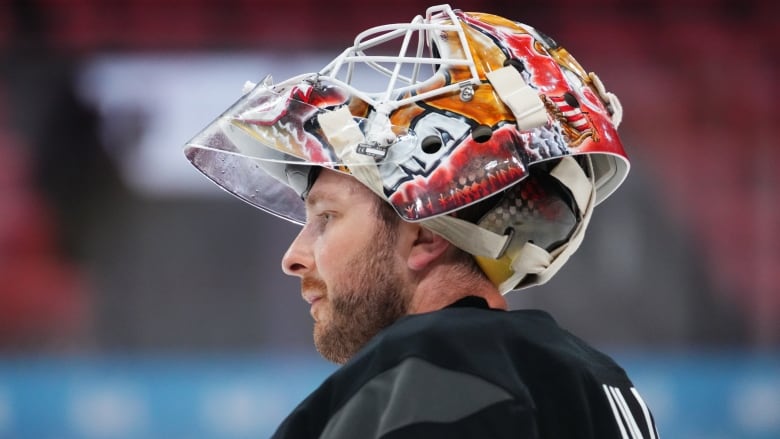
(139, 301)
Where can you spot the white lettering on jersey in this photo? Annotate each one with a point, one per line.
(646, 413)
(629, 429)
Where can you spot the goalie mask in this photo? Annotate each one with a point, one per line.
(450, 114)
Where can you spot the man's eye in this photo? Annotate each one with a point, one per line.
(320, 219)
(324, 217)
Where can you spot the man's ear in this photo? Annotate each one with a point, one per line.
(426, 248)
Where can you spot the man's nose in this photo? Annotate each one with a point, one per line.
(298, 261)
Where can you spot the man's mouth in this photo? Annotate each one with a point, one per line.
(311, 298)
(313, 292)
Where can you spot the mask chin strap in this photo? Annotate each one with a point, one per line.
(533, 265)
(530, 264)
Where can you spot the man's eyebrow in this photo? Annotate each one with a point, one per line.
(312, 199)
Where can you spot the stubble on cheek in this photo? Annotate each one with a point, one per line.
(357, 313)
(369, 296)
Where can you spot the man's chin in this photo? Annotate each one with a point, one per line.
(333, 344)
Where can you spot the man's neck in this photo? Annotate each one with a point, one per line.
(446, 284)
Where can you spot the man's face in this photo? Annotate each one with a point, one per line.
(351, 271)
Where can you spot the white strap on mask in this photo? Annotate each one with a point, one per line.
(536, 261)
(344, 134)
(522, 100)
(468, 236)
(615, 108)
(530, 259)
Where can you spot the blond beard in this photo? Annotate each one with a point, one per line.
(371, 299)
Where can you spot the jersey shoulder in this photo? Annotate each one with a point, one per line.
(468, 337)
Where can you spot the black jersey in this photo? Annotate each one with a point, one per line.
(467, 371)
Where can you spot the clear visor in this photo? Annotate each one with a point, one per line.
(262, 147)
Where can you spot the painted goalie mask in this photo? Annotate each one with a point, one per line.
(450, 113)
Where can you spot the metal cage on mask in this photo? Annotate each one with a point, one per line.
(499, 98)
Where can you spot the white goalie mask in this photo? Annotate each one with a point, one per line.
(450, 111)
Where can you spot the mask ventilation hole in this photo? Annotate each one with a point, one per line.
(431, 144)
(571, 100)
(516, 63)
(481, 133)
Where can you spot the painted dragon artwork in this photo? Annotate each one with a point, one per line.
(447, 140)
